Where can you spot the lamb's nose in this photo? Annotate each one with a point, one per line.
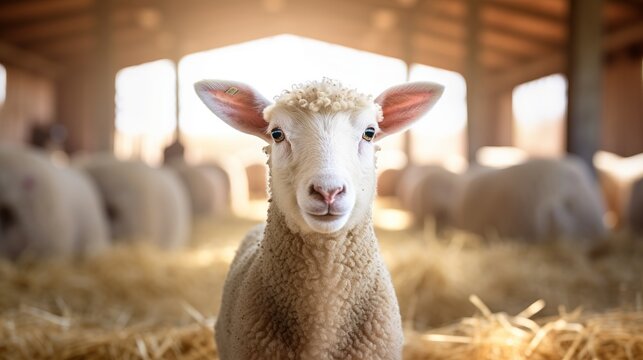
(328, 195)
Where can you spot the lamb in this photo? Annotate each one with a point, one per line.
(310, 283)
(47, 211)
(536, 200)
(143, 204)
(207, 188)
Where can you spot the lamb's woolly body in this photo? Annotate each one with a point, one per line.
(294, 296)
(53, 211)
(326, 95)
(142, 203)
(536, 200)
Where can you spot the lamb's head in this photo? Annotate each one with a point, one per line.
(321, 139)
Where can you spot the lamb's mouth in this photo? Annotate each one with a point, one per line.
(328, 217)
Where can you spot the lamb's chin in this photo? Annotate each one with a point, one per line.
(325, 224)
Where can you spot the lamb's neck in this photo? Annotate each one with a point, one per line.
(315, 256)
(319, 279)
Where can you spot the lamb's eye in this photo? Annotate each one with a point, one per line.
(277, 135)
(369, 134)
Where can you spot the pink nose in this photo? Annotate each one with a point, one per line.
(327, 194)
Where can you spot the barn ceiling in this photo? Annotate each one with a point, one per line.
(515, 36)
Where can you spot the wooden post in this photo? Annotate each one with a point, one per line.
(584, 78)
(407, 48)
(102, 125)
(473, 75)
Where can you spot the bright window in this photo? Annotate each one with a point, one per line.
(439, 137)
(3, 84)
(539, 109)
(145, 110)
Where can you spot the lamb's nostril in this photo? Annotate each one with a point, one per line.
(327, 195)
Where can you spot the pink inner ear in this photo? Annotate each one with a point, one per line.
(239, 105)
(403, 105)
(242, 108)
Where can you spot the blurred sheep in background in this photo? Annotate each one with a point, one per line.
(142, 203)
(429, 191)
(47, 211)
(537, 200)
(617, 177)
(207, 187)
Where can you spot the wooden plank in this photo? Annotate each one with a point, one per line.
(555, 62)
(10, 54)
(50, 30)
(32, 10)
(584, 73)
(519, 10)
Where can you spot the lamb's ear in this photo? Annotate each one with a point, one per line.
(402, 105)
(238, 104)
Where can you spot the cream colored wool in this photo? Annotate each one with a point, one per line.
(47, 211)
(308, 297)
(430, 191)
(142, 203)
(539, 199)
(320, 96)
(206, 189)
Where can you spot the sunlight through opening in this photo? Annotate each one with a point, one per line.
(439, 137)
(539, 108)
(3, 84)
(145, 110)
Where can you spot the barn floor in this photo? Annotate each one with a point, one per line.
(459, 298)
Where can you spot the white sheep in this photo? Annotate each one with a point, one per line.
(47, 211)
(207, 188)
(142, 203)
(311, 284)
(617, 175)
(429, 191)
(537, 200)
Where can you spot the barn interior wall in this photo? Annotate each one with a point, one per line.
(30, 98)
(622, 125)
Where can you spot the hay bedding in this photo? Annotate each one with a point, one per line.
(144, 303)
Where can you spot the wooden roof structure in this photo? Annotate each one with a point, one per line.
(507, 41)
(513, 33)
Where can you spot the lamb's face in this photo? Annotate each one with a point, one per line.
(321, 134)
(323, 166)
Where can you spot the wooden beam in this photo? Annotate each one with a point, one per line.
(102, 134)
(531, 70)
(28, 11)
(555, 62)
(10, 54)
(473, 75)
(523, 36)
(623, 37)
(42, 32)
(636, 5)
(584, 75)
(519, 10)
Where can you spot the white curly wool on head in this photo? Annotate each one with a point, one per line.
(323, 96)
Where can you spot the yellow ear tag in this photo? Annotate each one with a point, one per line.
(232, 91)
